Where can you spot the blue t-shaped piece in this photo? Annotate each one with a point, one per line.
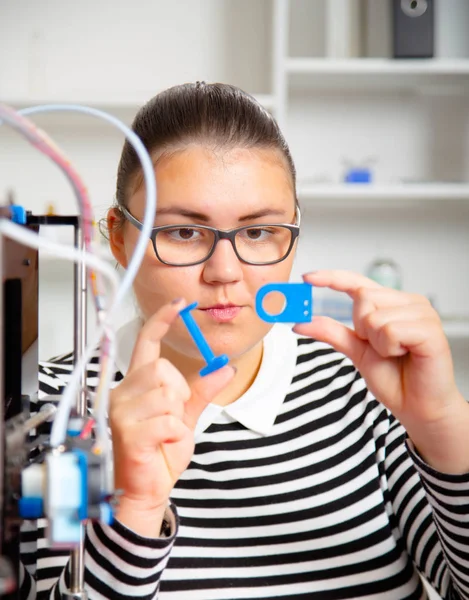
(213, 362)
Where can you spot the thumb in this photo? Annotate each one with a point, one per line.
(204, 390)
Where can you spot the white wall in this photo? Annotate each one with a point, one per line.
(79, 51)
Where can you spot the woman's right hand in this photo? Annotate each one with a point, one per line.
(153, 413)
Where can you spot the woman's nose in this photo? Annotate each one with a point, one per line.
(223, 266)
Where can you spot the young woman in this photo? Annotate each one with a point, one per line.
(322, 462)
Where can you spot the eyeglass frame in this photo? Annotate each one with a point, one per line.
(219, 235)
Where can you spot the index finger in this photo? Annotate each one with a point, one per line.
(148, 345)
(341, 281)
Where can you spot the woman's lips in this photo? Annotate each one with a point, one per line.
(223, 314)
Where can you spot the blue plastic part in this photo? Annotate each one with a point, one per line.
(213, 362)
(82, 462)
(217, 363)
(358, 176)
(73, 432)
(106, 515)
(18, 214)
(31, 508)
(298, 306)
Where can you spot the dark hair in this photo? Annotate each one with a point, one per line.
(209, 113)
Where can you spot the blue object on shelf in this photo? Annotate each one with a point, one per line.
(357, 175)
(213, 362)
(298, 306)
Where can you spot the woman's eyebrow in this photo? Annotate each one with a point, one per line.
(267, 212)
(182, 212)
(191, 214)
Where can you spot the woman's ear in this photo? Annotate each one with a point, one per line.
(115, 227)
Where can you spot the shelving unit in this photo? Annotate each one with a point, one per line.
(381, 195)
(380, 68)
(412, 117)
(430, 76)
(439, 75)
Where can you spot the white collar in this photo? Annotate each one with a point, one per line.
(258, 407)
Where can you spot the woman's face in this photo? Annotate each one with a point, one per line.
(199, 186)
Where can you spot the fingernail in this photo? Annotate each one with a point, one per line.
(177, 301)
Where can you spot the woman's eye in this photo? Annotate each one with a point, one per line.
(254, 234)
(186, 234)
(258, 234)
(183, 234)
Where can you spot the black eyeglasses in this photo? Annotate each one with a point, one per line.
(186, 245)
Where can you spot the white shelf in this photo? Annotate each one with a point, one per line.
(371, 193)
(378, 73)
(382, 67)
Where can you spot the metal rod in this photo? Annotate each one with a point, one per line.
(39, 418)
(2, 383)
(77, 567)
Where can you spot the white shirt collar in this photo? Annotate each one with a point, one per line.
(259, 406)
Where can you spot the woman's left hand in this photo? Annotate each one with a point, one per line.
(399, 347)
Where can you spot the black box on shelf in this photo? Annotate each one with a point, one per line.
(413, 28)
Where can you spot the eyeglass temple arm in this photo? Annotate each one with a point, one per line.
(131, 218)
(298, 215)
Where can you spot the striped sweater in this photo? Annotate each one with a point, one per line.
(327, 501)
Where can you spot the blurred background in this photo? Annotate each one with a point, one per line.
(372, 96)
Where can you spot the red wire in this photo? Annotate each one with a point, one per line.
(86, 431)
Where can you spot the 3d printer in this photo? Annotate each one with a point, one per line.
(48, 468)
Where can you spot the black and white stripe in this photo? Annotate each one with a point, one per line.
(332, 504)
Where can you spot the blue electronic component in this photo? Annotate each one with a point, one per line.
(31, 507)
(73, 432)
(67, 490)
(106, 514)
(82, 463)
(299, 302)
(213, 362)
(18, 214)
